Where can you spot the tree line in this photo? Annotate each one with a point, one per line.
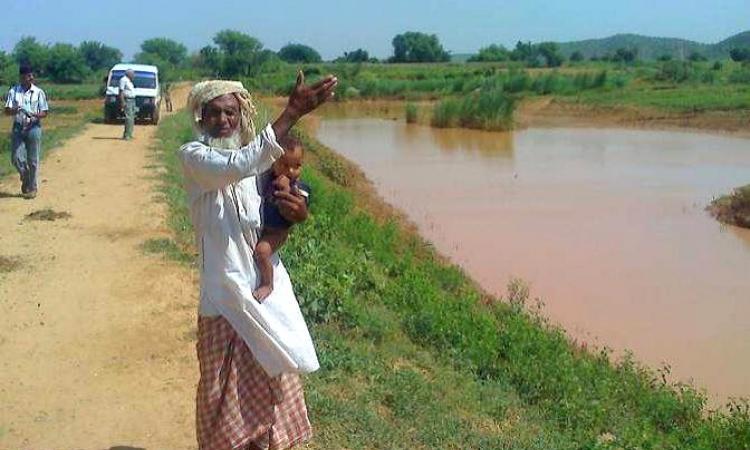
(236, 54)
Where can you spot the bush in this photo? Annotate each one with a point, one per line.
(741, 75)
(674, 71)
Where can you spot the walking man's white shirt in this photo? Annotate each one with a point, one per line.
(28, 103)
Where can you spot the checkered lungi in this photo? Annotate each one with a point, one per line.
(238, 405)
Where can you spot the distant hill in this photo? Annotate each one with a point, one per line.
(738, 40)
(654, 47)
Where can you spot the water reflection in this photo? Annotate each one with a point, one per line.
(486, 144)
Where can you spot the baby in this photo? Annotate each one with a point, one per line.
(285, 171)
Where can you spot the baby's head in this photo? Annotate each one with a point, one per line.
(290, 163)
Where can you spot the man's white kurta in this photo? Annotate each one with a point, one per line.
(225, 209)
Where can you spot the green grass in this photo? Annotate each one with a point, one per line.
(171, 134)
(414, 356)
(678, 98)
(73, 91)
(671, 86)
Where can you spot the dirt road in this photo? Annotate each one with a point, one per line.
(96, 336)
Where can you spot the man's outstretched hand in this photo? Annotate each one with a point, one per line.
(303, 100)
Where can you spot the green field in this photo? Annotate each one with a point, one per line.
(671, 86)
(414, 356)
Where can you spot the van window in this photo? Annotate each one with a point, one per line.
(146, 80)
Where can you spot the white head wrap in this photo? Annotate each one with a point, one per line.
(205, 91)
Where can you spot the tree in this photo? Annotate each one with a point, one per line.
(8, 69)
(299, 53)
(524, 51)
(491, 53)
(99, 56)
(697, 56)
(550, 52)
(413, 46)
(166, 68)
(356, 56)
(29, 51)
(239, 53)
(576, 56)
(65, 64)
(209, 58)
(166, 49)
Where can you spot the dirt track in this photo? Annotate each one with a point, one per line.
(96, 336)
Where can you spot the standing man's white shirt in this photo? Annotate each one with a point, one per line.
(126, 87)
(225, 210)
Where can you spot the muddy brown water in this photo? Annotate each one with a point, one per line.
(607, 225)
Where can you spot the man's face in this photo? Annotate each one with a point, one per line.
(26, 79)
(130, 74)
(221, 116)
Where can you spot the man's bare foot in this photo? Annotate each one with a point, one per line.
(262, 292)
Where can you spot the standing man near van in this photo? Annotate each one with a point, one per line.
(127, 102)
(28, 104)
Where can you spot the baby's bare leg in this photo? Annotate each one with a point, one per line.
(270, 240)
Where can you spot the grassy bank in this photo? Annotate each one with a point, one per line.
(414, 356)
(734, 208)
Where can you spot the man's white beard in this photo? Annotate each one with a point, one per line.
(232, 142)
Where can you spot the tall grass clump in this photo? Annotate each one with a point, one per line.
(491, 110)
(411, 113)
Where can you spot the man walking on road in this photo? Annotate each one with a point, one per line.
(127, 102)
(28, 104)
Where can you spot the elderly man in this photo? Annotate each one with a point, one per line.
(28, 104)
(127, 102)
(249, 393)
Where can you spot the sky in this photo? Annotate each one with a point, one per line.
(335, 26)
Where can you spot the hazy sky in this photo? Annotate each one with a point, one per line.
(335, 26)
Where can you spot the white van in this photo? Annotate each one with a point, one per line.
(147, 92)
